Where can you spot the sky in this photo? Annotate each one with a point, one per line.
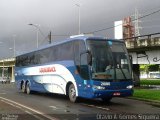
(61, 17)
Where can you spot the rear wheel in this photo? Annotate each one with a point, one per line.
(23, 87)
(28, 90)
(72, 93)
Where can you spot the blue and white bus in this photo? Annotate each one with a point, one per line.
(87, 67)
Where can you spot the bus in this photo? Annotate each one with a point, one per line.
(79, 67)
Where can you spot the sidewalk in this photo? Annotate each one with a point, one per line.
(151, 102)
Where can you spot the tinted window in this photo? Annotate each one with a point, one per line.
(51, 54)
(79, 47)
(81, 59)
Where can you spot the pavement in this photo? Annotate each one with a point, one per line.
(10, 112)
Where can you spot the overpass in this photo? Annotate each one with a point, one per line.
(7, 69)
(144, 50)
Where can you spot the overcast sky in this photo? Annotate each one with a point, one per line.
(61, 18)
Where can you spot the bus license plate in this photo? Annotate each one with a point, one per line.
(117, 94)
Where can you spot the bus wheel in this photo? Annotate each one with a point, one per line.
(107, 100)
(23, 87)
(72, 93)
(28, 90)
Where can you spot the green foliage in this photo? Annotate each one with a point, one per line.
(153, 67)
(147, 94)
(150, 82)
(149, 67)
(144, 68)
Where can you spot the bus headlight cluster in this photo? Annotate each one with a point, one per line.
(98, 87)
(130, 87)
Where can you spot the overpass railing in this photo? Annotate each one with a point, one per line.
(151, 40)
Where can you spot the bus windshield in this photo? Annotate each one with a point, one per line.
(110, 60)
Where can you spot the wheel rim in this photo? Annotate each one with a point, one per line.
(23, 87)
(72, 93)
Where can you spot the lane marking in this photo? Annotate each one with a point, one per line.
(11, 104)
(34, 115)
(23, 110)
(96, 106)
(54, 107)
(31, 109)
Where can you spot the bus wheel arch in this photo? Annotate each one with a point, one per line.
(67, 88)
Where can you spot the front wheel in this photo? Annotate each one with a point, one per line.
(72, 93)
(107, 100)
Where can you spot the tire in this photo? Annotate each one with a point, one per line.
(23, 87)
(72, 93)
(28, 90)
(106, 100)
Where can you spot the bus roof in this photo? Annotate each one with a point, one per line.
(69, 40)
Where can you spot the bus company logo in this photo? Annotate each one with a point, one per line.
(47, 69)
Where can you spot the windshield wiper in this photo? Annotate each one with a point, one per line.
(123, 72)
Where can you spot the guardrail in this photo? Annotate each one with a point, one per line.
(149, 40)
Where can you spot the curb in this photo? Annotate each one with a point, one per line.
(151, 102)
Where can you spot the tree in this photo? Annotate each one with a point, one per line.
(146, 68)
(154, 67)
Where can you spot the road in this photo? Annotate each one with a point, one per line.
(50, 106)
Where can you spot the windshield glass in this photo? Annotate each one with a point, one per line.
(109, 60)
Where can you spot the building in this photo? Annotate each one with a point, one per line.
(7, 69)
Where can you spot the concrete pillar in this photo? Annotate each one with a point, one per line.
(9, 73)
(13, 77)
(136, 74)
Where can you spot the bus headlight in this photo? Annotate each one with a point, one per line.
(129, 87)
(98, 87)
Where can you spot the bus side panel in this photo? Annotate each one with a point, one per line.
(52, 77)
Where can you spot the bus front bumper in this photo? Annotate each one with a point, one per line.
(112, 93)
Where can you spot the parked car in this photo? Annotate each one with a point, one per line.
(4, 80)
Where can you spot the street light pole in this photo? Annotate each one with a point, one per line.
(14, 45)
(36, 26)
(79, 18)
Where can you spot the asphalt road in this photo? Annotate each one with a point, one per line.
(15, 104)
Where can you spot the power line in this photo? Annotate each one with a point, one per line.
(148, 14)
(153, 20)
(154, 12)
(61, 35)
(152, 26)
(56, 35)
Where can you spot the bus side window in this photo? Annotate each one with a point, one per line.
(81, 60)
(77, 55)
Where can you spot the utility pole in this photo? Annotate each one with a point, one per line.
(136, 22)
(37, 28)
(79, 18)
(49, 37)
